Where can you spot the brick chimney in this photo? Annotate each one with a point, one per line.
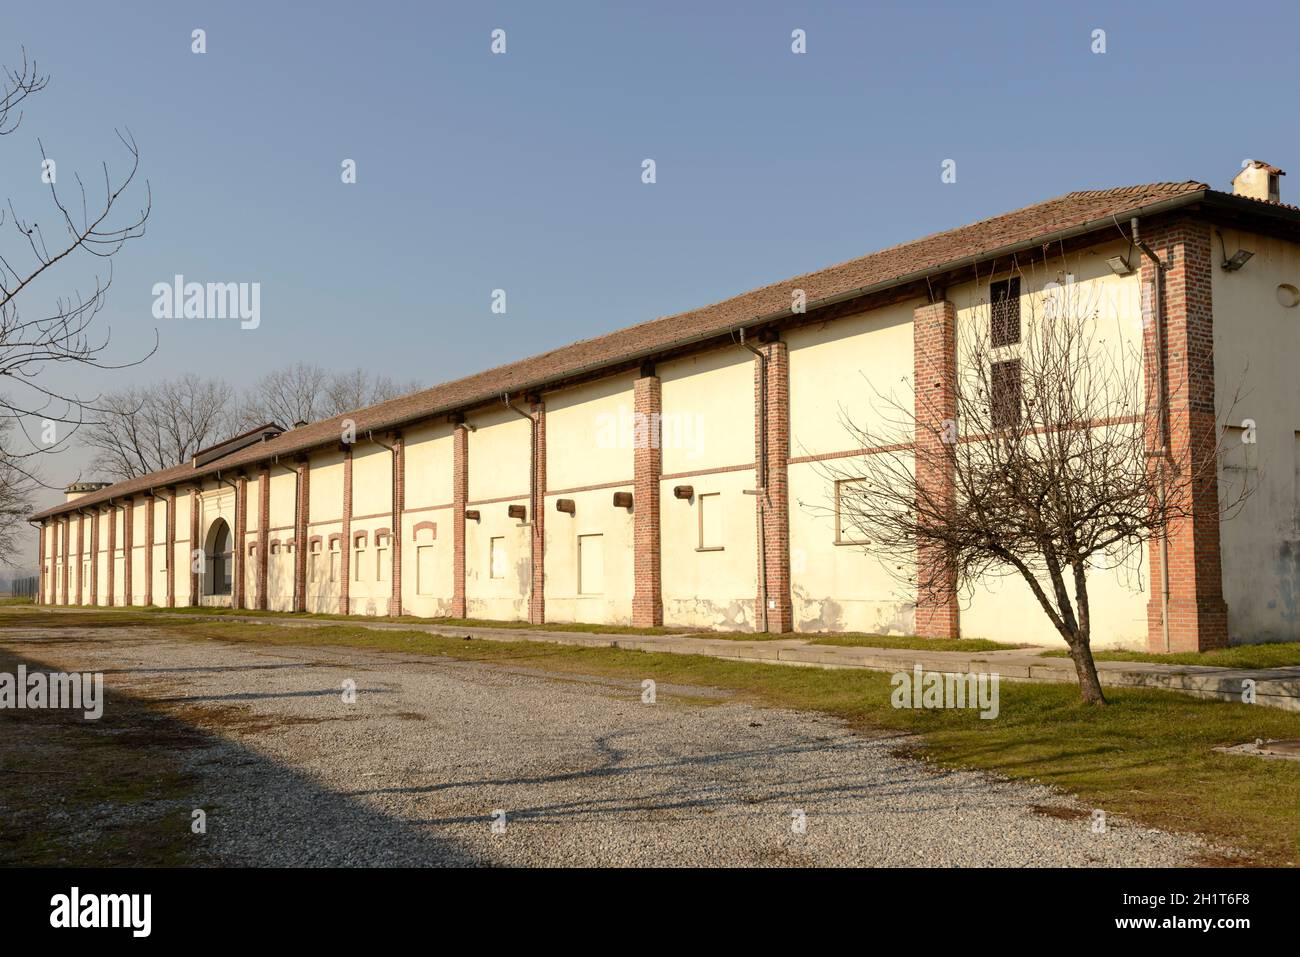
(1258, 181)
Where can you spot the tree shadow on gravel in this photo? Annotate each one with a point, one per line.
(723, 783)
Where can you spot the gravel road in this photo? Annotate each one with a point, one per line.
(416, 770)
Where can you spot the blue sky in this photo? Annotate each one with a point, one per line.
(523, 171)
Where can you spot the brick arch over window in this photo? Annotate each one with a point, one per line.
(431, 527)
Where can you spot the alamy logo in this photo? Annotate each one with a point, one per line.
(103, 910)
(56, 689)
(657, 430)
(179, 299)
(937, 689)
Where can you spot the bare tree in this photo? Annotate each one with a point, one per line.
(305, 392)
(1054, 464)
(349, 391)
(32, 339)
(135, 431)
(17, 485)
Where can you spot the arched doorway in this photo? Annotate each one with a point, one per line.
(217, 557)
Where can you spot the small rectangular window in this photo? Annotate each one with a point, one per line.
(381, 558)
(359, 564)
(335, 557)
(1004, 300)
(314, 563)
(710, 508)
(497, 557)
(591, 564)
(1004, 382)
(424, 569)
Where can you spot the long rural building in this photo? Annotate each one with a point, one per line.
(674, 472)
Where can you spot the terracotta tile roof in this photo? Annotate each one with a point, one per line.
(888, 266)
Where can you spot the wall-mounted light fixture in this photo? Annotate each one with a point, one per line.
(684, 491)
(622, 499)
(518, 511)
(1119, 265)
(471, 515)
(565, 505)
(1236, 260)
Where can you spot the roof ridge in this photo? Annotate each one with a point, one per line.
(934, 252)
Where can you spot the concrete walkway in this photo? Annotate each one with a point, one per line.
(1274, 687)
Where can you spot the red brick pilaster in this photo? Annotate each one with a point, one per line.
(240, 584)
(1198, 615)
(303, 511)
(170, 563)
(67, 534)
(81, 557)
(934, 352)
(150, 503)
(773, 499)
(648, 467)
(197, 548)
(345, 545)
(128, 544)
(399, 505)
(263, 533)
(537, 593)
(95, 517)
(111, 599)
(41, 564)
(459, 496)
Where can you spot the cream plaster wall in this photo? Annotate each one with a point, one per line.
(1256, 341)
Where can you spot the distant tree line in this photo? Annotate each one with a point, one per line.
(142, 429)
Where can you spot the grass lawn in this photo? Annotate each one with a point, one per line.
(396, 619)
(853, 639)
(1147, 757)
(1238, 656)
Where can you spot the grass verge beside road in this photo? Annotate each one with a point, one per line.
(1148, 757)
(1238, 656)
